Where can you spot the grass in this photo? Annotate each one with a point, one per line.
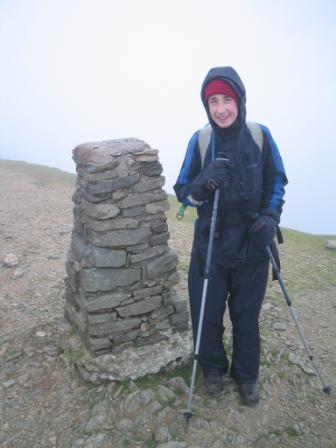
(43, 175)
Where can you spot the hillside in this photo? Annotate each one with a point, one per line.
(45, 403)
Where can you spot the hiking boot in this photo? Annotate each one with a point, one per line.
(213, 385)
(249, 393)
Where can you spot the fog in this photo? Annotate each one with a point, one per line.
(80, 70)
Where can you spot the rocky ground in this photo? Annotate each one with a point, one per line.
(44, 401)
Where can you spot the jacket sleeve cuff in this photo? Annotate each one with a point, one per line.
(272, 213)
(194, 202)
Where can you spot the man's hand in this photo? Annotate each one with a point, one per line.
(263, 230)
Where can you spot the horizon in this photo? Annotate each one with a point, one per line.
(74, 175)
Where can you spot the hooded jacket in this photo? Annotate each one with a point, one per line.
(256, 185)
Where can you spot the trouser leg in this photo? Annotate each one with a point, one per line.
(212, 356)
(247, 289)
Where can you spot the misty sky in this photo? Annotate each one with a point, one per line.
(87, 70)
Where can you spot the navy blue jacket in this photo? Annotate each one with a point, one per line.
(256, 186)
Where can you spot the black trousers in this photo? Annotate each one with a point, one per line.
(244, 289)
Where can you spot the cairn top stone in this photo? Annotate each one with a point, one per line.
(101, 153)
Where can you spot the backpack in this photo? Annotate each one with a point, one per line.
(204, 137)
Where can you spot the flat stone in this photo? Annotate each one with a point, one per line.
(101, 257)
(145, 158)
(331, 244)
(100, 188)
(10, 260)
(147, 254)
(177, 301)
(147, 292)
(18, 272)
(133, 211)
(100, 211)
(125, 325)
(157, 207)
(140, 308)
(96, 177)
(148, 184)
(160, 228)
(117, 238)
(106, 302)
(101, 154)
(152, 169)
(105, 279)
(279, 326)
(8, 384)
(98, 225)
(141, 199)
(161, 265)
(159, 239)
(113, 327)
(101, 318)
(179, 318)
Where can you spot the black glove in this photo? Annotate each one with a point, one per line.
(215, 175)
(263, 230)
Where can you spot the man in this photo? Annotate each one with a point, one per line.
(251, 179)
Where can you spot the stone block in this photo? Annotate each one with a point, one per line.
(157, 207)
(160, 228)
(117, 238)
(179, 318)
(161, 238)
(147, 292)
(114, 327)
(148, 184)
(99, 188)
(133, 211)
(161, 265)
(152, 169)
(178, 302)
(100, 257)
(100, 156)
(101, 318)
(139, 308)
(97, 344)
(100, 176)
(106, 279)
(141, 199)
(147, 254)
(100, 211)
(106, 302)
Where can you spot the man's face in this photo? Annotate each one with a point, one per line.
(223, 110)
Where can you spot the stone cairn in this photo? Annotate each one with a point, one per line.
(120, 270)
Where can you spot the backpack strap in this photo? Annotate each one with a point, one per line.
(257, 133)
(204, 137)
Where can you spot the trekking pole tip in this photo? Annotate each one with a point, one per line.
(187, 415)
(327, 389)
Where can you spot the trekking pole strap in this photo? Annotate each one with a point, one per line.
(181, 210)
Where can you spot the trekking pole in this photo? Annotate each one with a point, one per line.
(188, 414)
(326, 389)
